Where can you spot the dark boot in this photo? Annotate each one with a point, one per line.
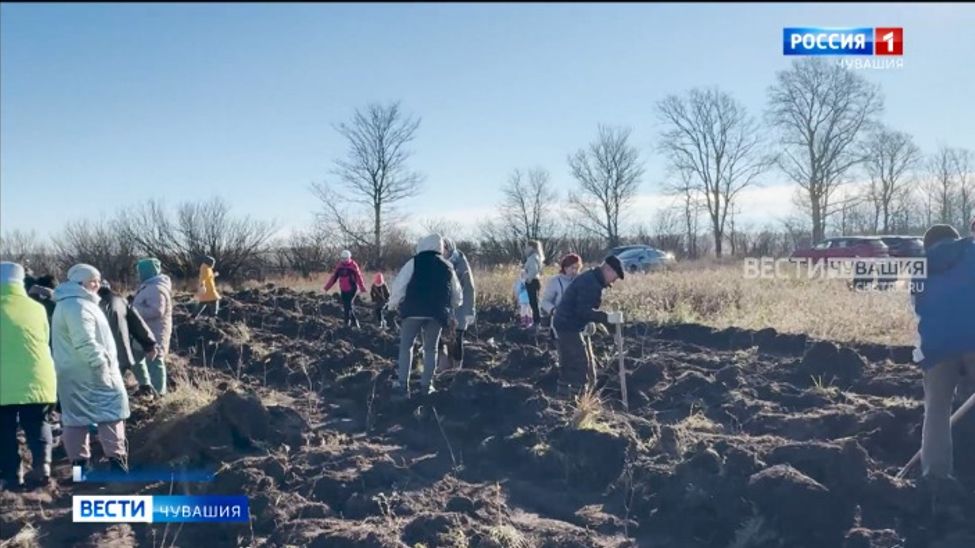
(146, 391)
(40, 476)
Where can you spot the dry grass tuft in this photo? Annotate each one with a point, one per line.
(589, 413)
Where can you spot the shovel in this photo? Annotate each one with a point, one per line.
(955, 417)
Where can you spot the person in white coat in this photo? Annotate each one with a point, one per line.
(90, 385)
(532, 274)
(568, 270)
(427, 293)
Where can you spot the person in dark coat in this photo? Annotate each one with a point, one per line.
(580, 307)
(42, 291)
(127, 324)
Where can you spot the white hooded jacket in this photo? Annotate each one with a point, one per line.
(90, 385)
(397, 290)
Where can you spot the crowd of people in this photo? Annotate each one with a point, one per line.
(64, 351)
(67, 345)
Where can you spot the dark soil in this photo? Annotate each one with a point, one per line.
(733, 438)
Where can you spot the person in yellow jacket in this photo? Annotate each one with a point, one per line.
(28, 384)
(207, 296)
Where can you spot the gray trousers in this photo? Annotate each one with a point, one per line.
(409, 329)
(937, 452)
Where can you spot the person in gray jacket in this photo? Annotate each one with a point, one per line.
(426, 293)
(466, 312)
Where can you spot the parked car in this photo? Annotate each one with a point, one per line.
(904, 246)
(620, 249)
(645, 259)
(844, 246)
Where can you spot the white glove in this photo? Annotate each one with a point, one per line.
(615, 317)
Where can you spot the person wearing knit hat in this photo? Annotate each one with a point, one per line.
(426, 293)
(379, 293)
(153, 301)
(569, 267)
(90, 385)
(207, 296)
(28, 384)
(943, 303)
(349, 277)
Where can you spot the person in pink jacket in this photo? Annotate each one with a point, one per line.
(349, 277)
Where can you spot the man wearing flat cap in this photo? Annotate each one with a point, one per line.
(579, 308)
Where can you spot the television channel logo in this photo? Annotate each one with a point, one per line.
(872, 41)
(159, 509)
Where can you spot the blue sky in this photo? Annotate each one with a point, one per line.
(103, 106)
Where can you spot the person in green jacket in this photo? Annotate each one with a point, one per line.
(28, 385)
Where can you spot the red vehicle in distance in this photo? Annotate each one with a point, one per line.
(844, 247)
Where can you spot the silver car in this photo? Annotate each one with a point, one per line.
(645, 259)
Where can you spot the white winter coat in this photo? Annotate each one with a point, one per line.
(90, 385)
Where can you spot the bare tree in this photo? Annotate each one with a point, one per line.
(712, 141)
(608, 171)
(374, 175)
(821, 110)
(890, 158)
(305, 252)
(198, 228)
(963, 165)
(101, 244)
(528, 203)
(443, 226)
(28, 249)
(689, 203)
(942, 186)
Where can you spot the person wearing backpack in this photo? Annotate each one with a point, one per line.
(349, 277)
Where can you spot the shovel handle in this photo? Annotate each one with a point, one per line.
(955, 417)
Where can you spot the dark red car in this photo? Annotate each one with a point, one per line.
(844, 246)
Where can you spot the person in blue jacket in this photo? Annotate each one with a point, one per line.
(945, 306)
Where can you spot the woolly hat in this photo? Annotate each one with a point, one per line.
(81, 273)
(11, 273)
(345, 255)
(148, 268)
